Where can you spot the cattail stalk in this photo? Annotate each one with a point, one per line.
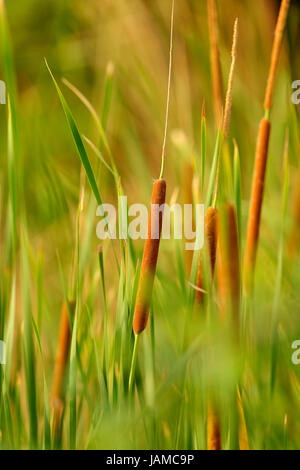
(295, 233)
(150, 256)
(243, 435)
(281, 22)
(211, 213)
(229, 299)
(61, 365)
(228, 105)
(188, 175)
(211, 237)
(215, 60)
(229, 283)
(213, 428)
(229, 264)
(256, 201)
(262, 156)
(148, 268)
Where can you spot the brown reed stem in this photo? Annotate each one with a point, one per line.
(229, 265)
(61, 366)
(150, 256)
(277, 42)
(211, 237)
(213, 428)
(168, 93)
(228, 101)
(229, 297)
(262, 156)
(256, 202)
(293, 245)
(215, 61)
(243, 435)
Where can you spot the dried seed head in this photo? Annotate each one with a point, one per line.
(228, 102)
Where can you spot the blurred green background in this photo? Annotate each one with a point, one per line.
(127, 42)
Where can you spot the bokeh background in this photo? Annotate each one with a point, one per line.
(127, 42)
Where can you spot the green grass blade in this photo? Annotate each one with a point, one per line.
(47, 430)
(78, 141)
(29, 359)
(237, 188)
(203, 152)
(213, 172)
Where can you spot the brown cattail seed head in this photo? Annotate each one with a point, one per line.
(62, 352)
(229, 265)
(256, 201)
(150, 256)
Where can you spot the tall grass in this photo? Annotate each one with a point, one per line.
(262, 152)
(149, 354)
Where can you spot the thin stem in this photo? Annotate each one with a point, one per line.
(168, 95)
(133, 362)
(228, 102)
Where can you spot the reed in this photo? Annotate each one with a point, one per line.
(228, 276)
(277, 42)
(61, 362)
(215, 61)
(224, 128)
(295, 232)
(211, 231)
(256, 201)
(211, 238)
(261, 156)
(150, 256)
(228, 101)
(213, 428)
(151, 248)
(229, 265)
(188, 175)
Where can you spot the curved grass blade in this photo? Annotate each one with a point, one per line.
(237, 187)
(213, 172)
(77, 139)
(47, 431)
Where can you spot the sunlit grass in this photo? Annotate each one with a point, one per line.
(97, 135)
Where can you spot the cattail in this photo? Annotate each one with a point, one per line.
(149, 262)
(61, 365)
(243, 435)
(150, 256)
(281, 22)
(256, 201)
(229, 265)
(229, 284)
(211, 237)
(215, 61)
(294, 236)
(262, 155)
(229, 302)
(213, 428)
